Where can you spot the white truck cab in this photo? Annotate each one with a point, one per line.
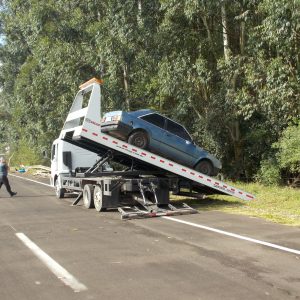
(66, 157)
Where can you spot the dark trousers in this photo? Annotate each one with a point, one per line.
(4, 180)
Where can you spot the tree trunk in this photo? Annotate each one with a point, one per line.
(210, 39)
(126, 86)
(225, 31)
(139, 15)
(234, 128)
(242, 37)
(238, 150)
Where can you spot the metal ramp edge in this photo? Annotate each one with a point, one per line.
(94, 134)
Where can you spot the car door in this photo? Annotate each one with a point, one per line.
(155, 124)
(179, 143)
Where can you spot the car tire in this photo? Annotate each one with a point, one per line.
(205, 167)
(139, 139)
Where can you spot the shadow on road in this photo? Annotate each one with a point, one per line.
(209, 203)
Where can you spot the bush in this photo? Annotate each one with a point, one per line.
(289, 149)
(288, 155)
(269, 172)
(25, 154)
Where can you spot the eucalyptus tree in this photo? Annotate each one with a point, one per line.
(52, 50)
(270, 90)
(273, 68)
(125, 39)
(228, 70)
(203, 45)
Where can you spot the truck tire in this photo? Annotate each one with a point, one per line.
(98, 199)
(139, 139)
(88, 196)
(205, 167)
(60, 192)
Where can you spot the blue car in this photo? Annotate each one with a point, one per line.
(149, 130)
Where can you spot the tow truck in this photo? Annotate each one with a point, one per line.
(82, 156)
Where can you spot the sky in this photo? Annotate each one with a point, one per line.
(2, 39)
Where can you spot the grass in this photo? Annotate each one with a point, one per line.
(277, 204)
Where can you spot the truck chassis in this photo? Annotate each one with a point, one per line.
(135, 193)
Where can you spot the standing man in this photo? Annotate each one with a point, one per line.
(3, 176)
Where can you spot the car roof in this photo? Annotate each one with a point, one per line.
(136, 113)
(141, 112)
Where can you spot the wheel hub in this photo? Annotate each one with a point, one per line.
(139, 142)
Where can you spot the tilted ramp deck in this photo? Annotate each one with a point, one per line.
(82, 128)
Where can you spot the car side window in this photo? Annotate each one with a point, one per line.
(178, 130)
(155, 119)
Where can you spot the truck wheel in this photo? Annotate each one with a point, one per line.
(139, 139)
(205, 167)
(88, 196)
(60, 192)
(98, 199)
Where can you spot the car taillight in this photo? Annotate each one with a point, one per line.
(116, 118)
(111, 119)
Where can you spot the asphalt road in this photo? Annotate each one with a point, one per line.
(106, 258)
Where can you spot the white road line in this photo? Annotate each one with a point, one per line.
(235, 235)
(267, 244)
(31, 180)
(53, 266)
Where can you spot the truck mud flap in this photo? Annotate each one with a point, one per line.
(128, 213)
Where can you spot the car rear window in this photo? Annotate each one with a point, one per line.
(155, 119)
(178, 130)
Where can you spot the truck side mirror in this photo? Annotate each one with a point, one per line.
(45, 154)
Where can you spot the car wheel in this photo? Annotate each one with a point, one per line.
(138, 139)
(205, 167)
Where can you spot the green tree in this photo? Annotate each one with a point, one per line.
(125, 41)
(288, 154)
(228, 70)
